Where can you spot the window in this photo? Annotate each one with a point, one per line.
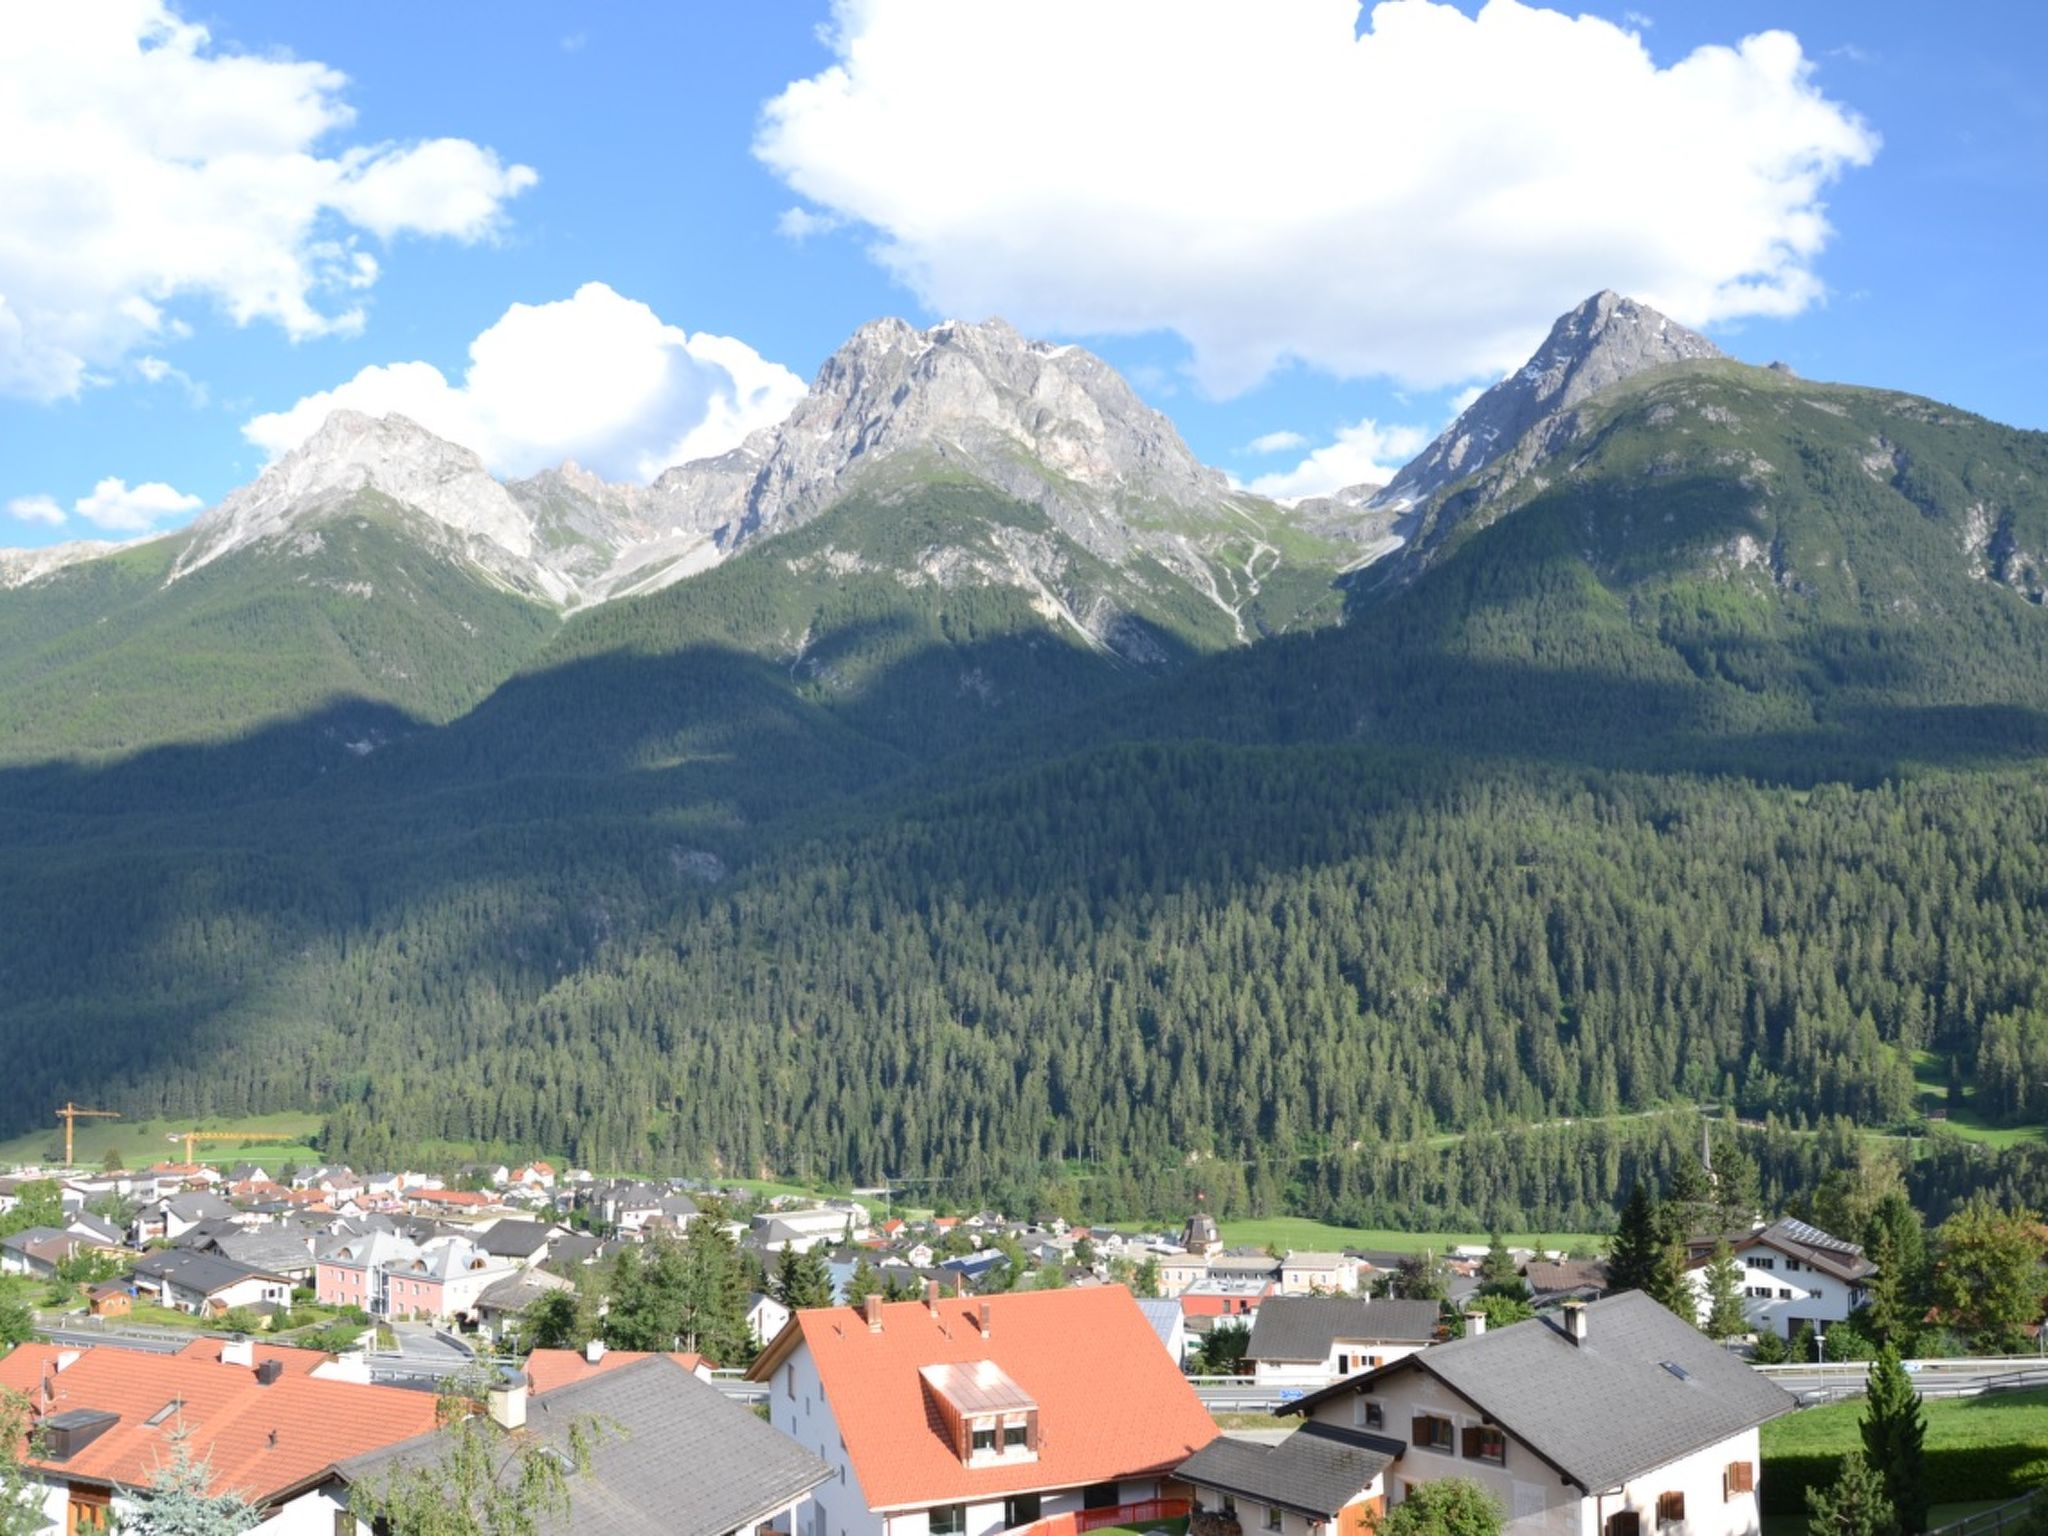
(1229, 1507)
(1791, 1264)
(983, 1440)
(1483, 1442)
(1627, 1523)
(948, 1520)
(1099, 1496)
(1670, 1509)
(1016, 1437)
(1433, 1433)
(1763, 1263)
(1784, 1293)
(1739, 1478)
(1343, 1365)
(1273, 1517)
(789, 1382)
(344, 1523)
(1020, 1509)
(1367, 1414)
(86, 1511)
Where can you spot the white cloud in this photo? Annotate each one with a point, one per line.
(799, 224)
(156, 371)
(141, 166)
(36, 509)
(1419, 199)
(1366, 453)
(1277, 442)
(133, 509)
(597, 377)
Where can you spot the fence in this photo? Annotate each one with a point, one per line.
(1990, 1522)
(1075, 1522)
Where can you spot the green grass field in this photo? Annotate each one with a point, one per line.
(142, 1142)
(1989, 1447)
(1285, 1232)
(1930, 1071)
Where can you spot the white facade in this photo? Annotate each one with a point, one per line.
(1318, 1274)
(1537, 1500)
(1347, 1357)
(1779, 1292)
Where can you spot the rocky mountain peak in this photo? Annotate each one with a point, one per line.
(1599, 343)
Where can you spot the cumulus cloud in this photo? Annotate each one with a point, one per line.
(141, 166)
(597, 377)
(1364, 453)
(115, 504)
(36, 509)
(1418, 197)
(1277, 442)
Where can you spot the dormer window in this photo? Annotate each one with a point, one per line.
(987, 1417)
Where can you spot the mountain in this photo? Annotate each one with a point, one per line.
(1603, 341)
(941, 827)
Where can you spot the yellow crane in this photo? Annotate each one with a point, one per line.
(193, 1138)
(71, 1114)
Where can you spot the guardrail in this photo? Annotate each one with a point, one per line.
(1989, 1522)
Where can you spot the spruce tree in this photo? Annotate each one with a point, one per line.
(863, 1284)
(1725, 1317)
(1498, 1275)
(1894, 1437)
(180, 1502)
(1634, 1258)
(1853, 1505)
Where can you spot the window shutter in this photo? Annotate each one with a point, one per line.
(1741, 1477)
(1419, 1430)
(1627, 1523)
(1471, 1442)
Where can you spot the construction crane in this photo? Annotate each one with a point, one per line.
(193, 1138)
(71, 1114)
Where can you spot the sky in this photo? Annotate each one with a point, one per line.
(628, 234)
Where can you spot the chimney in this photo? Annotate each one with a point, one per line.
(268, 1372)
(931, 1297)
(872, 1306)
(506, 1400)
(1575, 1321)
(68, 1358)
(1475, 1324)
(593, 1352)
(238, 1351)
(959, 1283)
(985, 1311)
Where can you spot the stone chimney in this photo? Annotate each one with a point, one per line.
(506, 1400)
(873, 1308)
(1475, 1324)
(593, 1352)
(985, 1313)
(1575, 1321)
(931, 1297)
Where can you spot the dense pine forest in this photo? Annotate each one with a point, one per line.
(1707, 774)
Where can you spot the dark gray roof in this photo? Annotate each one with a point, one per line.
(1557, 1277)
(514, 1239)
(1315, 1471)
(1304, 1327)
(202, 1272)
(674, 1455)
(1829, 1254)
(197, 1206)
(1645, 1388)
(19, 1241)
(271, 1249)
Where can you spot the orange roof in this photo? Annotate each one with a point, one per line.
(258, 1440)
(1110, 1402)
(449, 1197)
(297, 1362)
(547, 1369)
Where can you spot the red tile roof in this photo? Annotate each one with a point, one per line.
(449, 1197)
(258, 1440)
(547, 1369)
(1110, 1402)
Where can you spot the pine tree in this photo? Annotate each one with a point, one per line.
(862, 1284)
(1725, 1316)
(1636, 1255)
(1498, 1275)
(1853, 1505)
(1894, 1438)
(179, 1503)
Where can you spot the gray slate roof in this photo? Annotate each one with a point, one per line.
(1315, 1471)
(678, 1455)
(514, 1239)
(273, 1249)
(201, 1272)
(1606, 1410)
(1304, 1327)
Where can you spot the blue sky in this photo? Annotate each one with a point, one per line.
(1185, 198)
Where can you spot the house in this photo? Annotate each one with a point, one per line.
(1612, 1418)
(500, 1304)
(1307, 1340)
(524, 1243)
(281, 1250)
(172, 1216)
(37, 1251)
(262, 1422)
(389, 1275)
(805, 1228)
(113, 1299)
(1323, 1478)
(956, 1416)
(1552, 1282)
(765, 1317)
(1792, 1273)
(1170, 1324)
(547, 1369)
(536, 1175)
(673, 1455)
(1304, 1273)
(206, 1284)
(97, 1231)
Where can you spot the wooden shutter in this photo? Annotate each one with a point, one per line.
(1419, 1430)
(1472, 1442)
(1740, 1478)
(1670, 1508)
(1627, 1523)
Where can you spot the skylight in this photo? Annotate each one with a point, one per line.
(164, 1412)
(1676, 1369)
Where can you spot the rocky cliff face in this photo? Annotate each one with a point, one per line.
(1605, 340)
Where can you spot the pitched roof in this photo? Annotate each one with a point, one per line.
(205, 1273)
(1315, 1471)
(514, 1239)
(1643, 1389)
(1549, 1277)
(1110, 1402)
(1305, 1327)
(231, 1417)
(1828, 1254)
(673, 1454)
(547, 1369)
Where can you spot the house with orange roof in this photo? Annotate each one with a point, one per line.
(264, 1427)
(961, 1416)
(547, 1369)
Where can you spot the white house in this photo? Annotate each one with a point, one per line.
(1304, 1273)
(1613, 1418)
(1792, 1273)
(1309, 1340)
(954, 1416)
(766, 1317)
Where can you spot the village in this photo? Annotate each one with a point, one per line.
(919, 1375)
